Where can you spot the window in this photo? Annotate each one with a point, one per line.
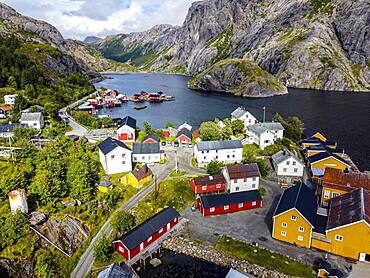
(284, 170)
(175, 220)
(121, 249)
(301, 229)
(338, 237)
(204, 187)
(149, 239)
(295, 170)
(226, 207)
(254, 203)
(112, 156)
(326, 194)
(205, 158)
(294, 163)
(212, 209)
(244, 180)
(254, 185)
(233, 155)
(237, 188)
(283, 233)
(123, 162)
(161, 230)
(123, 155)
(334, 194)
(300, 238)
(267, 141)
(235, 181)
(241, 205)
(149, 157)
(216, 156)
(284, 225)
(218, 185)
(293, 218)
(288, 162)
(228, 156)
(254, 179)
(143, 157)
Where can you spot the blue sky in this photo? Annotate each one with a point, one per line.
(80, 18)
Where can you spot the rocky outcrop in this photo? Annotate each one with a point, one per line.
(239, 77)
(304, 43)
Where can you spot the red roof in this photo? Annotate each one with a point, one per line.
(7, 108)
(338, 177)
(196, 133)
(243, 171)
(209, 180)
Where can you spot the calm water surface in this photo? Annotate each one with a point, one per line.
(343, 117)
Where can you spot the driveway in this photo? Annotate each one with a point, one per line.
(253, 226)
(360, 270)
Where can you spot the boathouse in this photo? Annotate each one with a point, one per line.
(227, 203)
(208, 184)
(151, 138)
(126, 131)
(184, 136)
(140, 238)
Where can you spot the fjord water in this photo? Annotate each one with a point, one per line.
(342, 116)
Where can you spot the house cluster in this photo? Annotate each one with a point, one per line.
(335, 218)
(235, 189)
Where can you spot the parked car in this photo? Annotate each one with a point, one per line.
(163, 143)
(176, 144)
(190, 145)
(169, 144)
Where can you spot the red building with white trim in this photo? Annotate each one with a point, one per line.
(184, 136)
(147, 233)
(127, 130)
(227, 203)
(208, 184)
(151, 138)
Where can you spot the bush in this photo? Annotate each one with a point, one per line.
(122, 222)
(214, 168)
(103, 249)
(209, 131)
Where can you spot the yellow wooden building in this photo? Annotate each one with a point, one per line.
(138, 177)
(311, 133)
(105, 186)
(327, 160)
(294, 217)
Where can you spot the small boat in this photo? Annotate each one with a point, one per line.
(140, 107)
(154, 98)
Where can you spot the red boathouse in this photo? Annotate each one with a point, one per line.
(208, 184)
(139, 238)
(227, 203)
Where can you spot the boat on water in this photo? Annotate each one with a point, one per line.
(140, 107)
(155, 98)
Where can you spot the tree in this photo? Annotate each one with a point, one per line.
(12, 228)
(209, 131)
(237, 127)
(45, 264)
(148, 128)
(293, 127)
(169, 124)
(122, 222)
(103, 249)
(214, 167)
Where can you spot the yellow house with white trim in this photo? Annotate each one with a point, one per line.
(138, 177)
(327, 160)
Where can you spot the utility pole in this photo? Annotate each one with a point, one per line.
(176, 165)
(264, 113)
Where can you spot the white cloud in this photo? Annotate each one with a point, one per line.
(80, 18)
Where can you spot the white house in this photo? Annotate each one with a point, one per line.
(127, 130)
(264, 134)
(286, 164)
(223, 151)
(33, 120)
(10, 99)
(146, 153)
(185, 126)
(246, 117)
(242, 177)
(115, 156)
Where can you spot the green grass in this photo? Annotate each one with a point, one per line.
(178, 174)
(263, 257)
(262, 191)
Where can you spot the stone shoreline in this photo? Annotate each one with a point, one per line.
(181, 244)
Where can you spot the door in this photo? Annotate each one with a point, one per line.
(141, 246)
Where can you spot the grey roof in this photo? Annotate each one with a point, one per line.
(131, 122)
(219, 145)
(152, 225)
(7, 127)
(281, 156)
(218, 200)
(238, 112)
(36, 116)
(116, 271)
(155, 137)
(185, 132)
(301, 198)
(145, 148)
(110, 144)
(263, 127)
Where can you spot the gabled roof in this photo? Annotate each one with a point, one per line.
(281, 156)
(185, 132)
(308, 132)
(7, 127)
(219, 145)
(238, 112)
(7, 108)
(302, 199)
(142, 148)
(116, 271)
(186, 126)
(106, 184)
(349, 208)
(218, 200)
(325, 155)
(155, 137)
(142, 172)
(129, 121)
(110, 144)
(263, 127)
(36, 116)
(243, 171)
(324, 147)
(152, 225)
(346, 178)
(208, 180)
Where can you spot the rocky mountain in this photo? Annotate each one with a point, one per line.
(91, 39)
(317, 44)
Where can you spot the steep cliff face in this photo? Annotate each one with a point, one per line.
(319, 44)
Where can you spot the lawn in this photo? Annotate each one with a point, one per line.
(174, 192)
(263, 257)
(178, 174)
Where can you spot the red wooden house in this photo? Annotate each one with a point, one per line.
(208, 184)
(166, 133)
(227, 203)
(139, 238)
(127, 130)
(151, 138)
(184, 136)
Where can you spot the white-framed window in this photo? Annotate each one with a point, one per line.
(295, 170)
(284, 225)
(326, 194)
(149, 239)
(241, 205)
(338, 237)
(294, 163)
(288, 162)
(175, 220)
(300, 238)
(293, 218)
(218, 185)
(283, 233)
(226, 207)
(161, 230)
(121, 249)
(235, 181)
(123, 162)
(237, 188)
(284, 170)
(254, 203)
(334, 194)
(253, 186)
(204, 187)
(212, 209)
(112, 156)
(123, 155)
(254, 178)
(244, 180)
(301, 229)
